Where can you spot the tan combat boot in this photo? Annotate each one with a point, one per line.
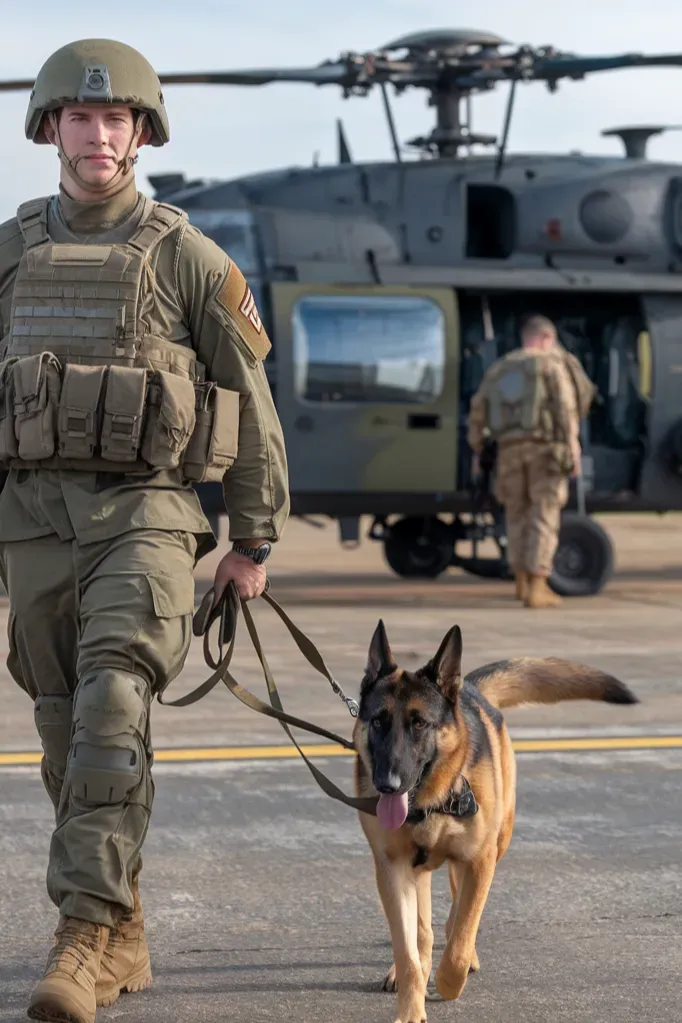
(66, 994)
(521, 585)
(539, 593)
(125, 961)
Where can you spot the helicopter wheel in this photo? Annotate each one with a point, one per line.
(583, 562)
(419, 547)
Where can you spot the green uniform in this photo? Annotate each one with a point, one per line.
(98, 561)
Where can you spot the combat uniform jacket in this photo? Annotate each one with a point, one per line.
(186, 273)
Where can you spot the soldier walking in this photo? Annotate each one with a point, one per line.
(131, 367)
(530, 403)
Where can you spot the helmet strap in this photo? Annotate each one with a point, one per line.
(124, 170)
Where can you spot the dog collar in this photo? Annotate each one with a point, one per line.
(457, 804)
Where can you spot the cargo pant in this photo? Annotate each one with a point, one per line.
(533, 493)
(95, 631)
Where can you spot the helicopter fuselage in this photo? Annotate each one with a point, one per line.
(387, 290)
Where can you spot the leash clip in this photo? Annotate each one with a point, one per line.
(353, 705)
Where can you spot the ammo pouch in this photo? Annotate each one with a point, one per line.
(214, 443)
(115, 418)
(9, 447)
(36, 382)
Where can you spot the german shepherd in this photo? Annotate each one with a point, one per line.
(435, 749)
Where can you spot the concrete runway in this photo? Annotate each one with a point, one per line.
(261, 901)
(259, 890)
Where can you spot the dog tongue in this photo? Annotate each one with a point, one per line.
(392, 811)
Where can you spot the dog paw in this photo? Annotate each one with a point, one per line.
(390, 981)
(451, 978)
(414, 1014)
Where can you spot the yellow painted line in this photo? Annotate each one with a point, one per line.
(609, 742)
(203, 754)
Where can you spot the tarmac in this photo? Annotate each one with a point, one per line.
(258, 889)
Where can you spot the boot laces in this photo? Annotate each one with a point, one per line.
(75, 945)
(124, 930)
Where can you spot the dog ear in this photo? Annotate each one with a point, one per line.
(445, 669)
(380, 660)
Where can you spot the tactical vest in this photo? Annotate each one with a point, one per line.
(83, 382)
(521, 405)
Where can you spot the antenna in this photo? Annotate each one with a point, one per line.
(342, 143)
(635, 137)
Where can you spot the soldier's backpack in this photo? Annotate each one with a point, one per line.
(519, 400)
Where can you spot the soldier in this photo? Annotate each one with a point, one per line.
(530, 402)
(132, 366)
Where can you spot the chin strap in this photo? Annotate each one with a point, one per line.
(227, 611)
(124, 167)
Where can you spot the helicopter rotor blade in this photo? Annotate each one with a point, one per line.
(337, 73)
(17, 85)
(324, 74)
(569, 65)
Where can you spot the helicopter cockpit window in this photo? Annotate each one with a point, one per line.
(233, 231)
(355, 348)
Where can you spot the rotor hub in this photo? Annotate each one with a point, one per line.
(445, 43)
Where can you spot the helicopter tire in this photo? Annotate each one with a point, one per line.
(419, 547)
(583, 563)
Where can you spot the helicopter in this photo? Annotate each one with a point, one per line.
(388, 288)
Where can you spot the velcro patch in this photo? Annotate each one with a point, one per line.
(236, 297)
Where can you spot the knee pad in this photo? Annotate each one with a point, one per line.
(108, 752)
(53, 718)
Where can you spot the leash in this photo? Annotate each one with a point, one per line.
(227, 611)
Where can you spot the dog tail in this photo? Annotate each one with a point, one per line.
(545, 680)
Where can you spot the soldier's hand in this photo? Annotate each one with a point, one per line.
(248, 577)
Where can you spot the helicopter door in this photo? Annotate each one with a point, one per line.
(367, 387)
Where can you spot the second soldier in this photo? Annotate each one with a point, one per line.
(530, 403)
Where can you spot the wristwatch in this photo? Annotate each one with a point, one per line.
(257, 554)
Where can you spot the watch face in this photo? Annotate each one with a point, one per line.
(263, 552)
(257, 554)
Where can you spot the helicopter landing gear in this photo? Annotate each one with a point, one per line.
(416, 546)
(424, 546)
(476, 531)
(583, 563)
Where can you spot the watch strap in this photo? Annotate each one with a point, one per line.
(256, 554)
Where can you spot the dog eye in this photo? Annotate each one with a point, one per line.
(376, 723)
(418, 723)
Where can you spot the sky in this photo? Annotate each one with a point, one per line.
(226, 131)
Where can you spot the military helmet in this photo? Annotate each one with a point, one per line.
(97, 71)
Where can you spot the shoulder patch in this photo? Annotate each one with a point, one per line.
(236, 298)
